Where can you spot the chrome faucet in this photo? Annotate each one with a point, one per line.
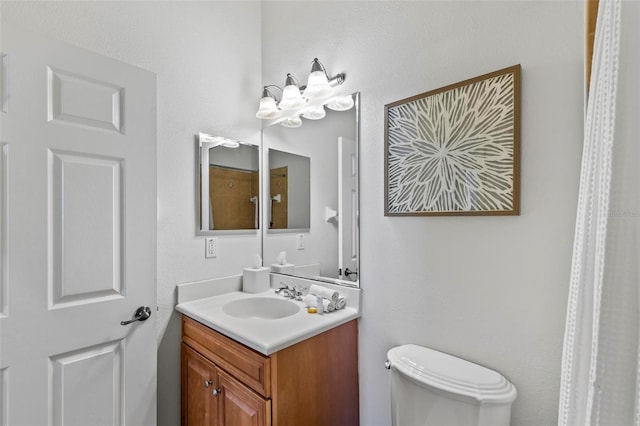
(290, 292)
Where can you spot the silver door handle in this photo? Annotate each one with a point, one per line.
(142, 314)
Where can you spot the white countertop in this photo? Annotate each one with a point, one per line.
(264, 335)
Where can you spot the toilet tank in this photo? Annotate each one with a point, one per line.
(432, 388)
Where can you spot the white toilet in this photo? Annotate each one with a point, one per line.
(431, 388)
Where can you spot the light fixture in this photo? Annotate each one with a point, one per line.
(268, 109)
(306, 101)
(291, 96)
(314, 113)
(215, 141)
(319, 84)
(291, 122)
(341, 103)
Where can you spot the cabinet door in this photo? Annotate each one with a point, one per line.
(240, 406)
(198, 383)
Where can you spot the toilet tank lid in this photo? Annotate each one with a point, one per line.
(431, 368)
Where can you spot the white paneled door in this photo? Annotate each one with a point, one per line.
(78, 236)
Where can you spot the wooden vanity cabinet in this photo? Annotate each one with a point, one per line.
(212, 397)
(198, 381)
(225, 383)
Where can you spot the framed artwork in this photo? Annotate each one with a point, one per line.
(455, 150)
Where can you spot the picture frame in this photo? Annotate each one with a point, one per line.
(455, 150)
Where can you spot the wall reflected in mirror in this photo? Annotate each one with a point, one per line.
(327, 248)
(289, 190)
(229, 186)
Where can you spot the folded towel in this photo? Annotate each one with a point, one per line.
(311, 301)
(341, 303)
(318, 290)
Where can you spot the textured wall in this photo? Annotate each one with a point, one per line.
(207, 59)
(489, 289)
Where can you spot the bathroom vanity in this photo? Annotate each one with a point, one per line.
(255, 358)
(226, 383)
(244, 369)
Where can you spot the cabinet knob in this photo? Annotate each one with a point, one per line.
(217, 392)
(207, 383)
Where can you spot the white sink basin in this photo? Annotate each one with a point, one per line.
(261, 307)
(266, 322)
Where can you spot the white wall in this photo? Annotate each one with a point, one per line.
(244, 157)
(489, 289)
(207, 59)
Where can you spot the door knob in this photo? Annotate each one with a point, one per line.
(348, 273)
(142, 314)
(216, 392)
(207, 383)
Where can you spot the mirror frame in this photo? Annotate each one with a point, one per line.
(203, 208)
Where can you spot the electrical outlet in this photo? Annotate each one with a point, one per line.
(211, 248)
(300, 241)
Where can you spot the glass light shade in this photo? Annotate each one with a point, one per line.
(218, 141)
(317, 86)
(230, 143)
(341, 103)
(291, 122)
(291, 98)
(268, 109)
(314, 113)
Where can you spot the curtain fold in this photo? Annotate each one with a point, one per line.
(600, 366)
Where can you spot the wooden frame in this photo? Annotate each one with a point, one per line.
(455, 150)
(591, 16)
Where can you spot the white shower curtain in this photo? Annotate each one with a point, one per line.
(601, 364)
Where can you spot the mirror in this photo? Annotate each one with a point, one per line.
(228, 183)
(289, 190)
(325, 247)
